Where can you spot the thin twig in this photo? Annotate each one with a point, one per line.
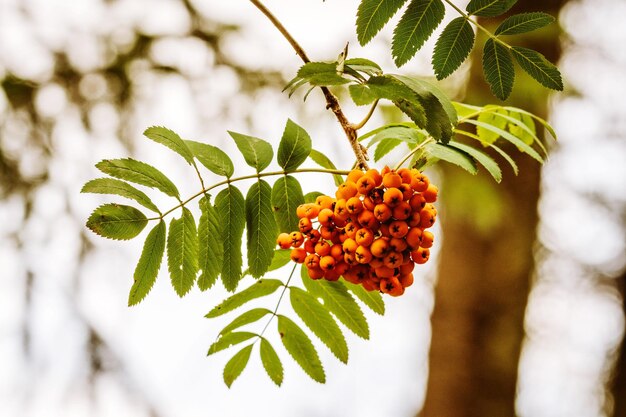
(367, 117)
(332, 102)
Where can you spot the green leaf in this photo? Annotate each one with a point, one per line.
(538, 67)
(149, 263)
(453, 156)
(212, 157)
(452, 47)
(325, 162)
(211, 247)
(485, 160)
(229, 204)
(498, 69)
(261, 227)
(228, 340)
(339, 302)
(257, 152)
(372, 15)
(494, 147)
(166, 137)
(138, 172)
(385, 147)
(543, 122)
(286, 197)
(312, 196)
(280, 259)
(235, 366)
(318, 319)
(260, 288)
(372, 299)
(489, 8)
(523, 22)
(422, 87)
(182, 252)
(363, 65)
(117, 221)
(321, 74)
(246, 318)
(403, 97)
(418, 22)
(271, 362)
(407, 134)
(511, 138)
(361, 94)
(300, 348)
(523, 126)
(121, 188)
(490, 116)
(294, 147)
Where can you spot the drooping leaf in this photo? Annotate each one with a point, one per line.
(322, 160)
(246, 318)
(257, 152)
(211, 247)
(485, 160)
(321, 74)
(235, 366)
(318, 319)
(490, 116)
(117, 221)
(453, 156)
(261, 227)
(407, 134)
(422, 87)
(129, 169)
(489, 8)
(523, 126)
(301, 348)
(121, 188)
(403, 97)
(538, 67)
(385, 147)
(149, 263)
(494, 147)
(363, 65)
(229, 339)
(372, 15)
(294, 147)
(271, 362)
(511, 138)
(212, 157)
(169, 138)
(286, 197)
(418, 22)
(523, 22)
(372, 299)
(339, 302)
(543, 122)
(280, 259)
(312, 196)
(182, 252)
(361, 94)
(260, 288)
(498, 69)
(229, 204)
(452, 47)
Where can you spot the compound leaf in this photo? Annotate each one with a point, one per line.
(453, 156)
(211, 247)
(523, 22)
(498, 69)
(452, 47)
(301, 348)
(286, 197)
(485, 160)
(117, 221)
(489, 8)
(372, 299)
(261, 227)
(318, 319)
(271, 362)
(246, 318)
(149, 263)
(229, 204)
(372, 15)
(511, 138)
(129, 169)
(490, 116)
(121, 188)
(235, 366)
(384, 147)
(169, 138)
(260, 288)
(418, 22)
(294, 147)
(182, 252)
(212, 157)
(280, 259)
(229, 339)
(361, 94)
(321, 74)
(257, 152)
(538, 67)
(325, 162)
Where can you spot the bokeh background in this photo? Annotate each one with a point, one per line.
(524, 298)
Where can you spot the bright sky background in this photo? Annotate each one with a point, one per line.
(161, 344)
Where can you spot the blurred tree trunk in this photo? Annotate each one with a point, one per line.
(486, 260)
(619, 382)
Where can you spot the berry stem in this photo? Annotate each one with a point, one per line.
(274, 313)
(332, 102)
(478, 25)
(413, 152)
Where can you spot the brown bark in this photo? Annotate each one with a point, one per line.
(618, 391)
(485, 263)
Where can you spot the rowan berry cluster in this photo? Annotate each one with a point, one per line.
(372, 233)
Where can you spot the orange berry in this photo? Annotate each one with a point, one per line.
(382, 212)
(305, 225)
(350, 259)
(406, 280)
(354, 205)
(364, 237)
(402, 211)
(392, 197)
(297, 239)
(414, 220)
(327, 263)
(407, 191)
(392, 180)
(427, 239)
(340, 210)
(384, 230)
(298, 255)
(365, 184)
(367, 219)
(420, 256)
(375, 175)
(284, 241)
(398, 228)
(351, 229)
(327, 232)
(309, 246)
(379, 247)
(393, 260)
(346, 190)
(325, 217)
(355, 175)
(420, 181)
(312, 261)
(376, 262)
(407, 268)
(314, 236)
(341, 267)
(363, 255)
(336, 251)
(427, 218)
(385, 170)
(413, 237)
(377, 195)
(384, 272)
(322, 248)
(430, 195)
(417, 202)
(397, 244)
(349, 245)
(391, 286)
(301, 210)
(316, 273)
(368, 204)
(324, 201)
(332, 275)
(405, 174)
(370, 285)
